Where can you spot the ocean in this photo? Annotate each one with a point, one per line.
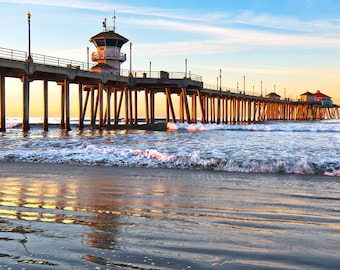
(251, 196)
(268, 147)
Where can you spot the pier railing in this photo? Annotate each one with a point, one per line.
(59, 62)
(62, 62)
(161, 75)
(232, 90)
(43, 59)
(13, 54)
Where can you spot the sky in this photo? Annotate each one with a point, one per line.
(292, 46)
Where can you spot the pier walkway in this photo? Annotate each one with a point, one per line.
(110, 98)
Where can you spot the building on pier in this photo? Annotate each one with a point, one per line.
(273, 96)
(307, 97)
(323, 99)
(318, 97)
(108, 55)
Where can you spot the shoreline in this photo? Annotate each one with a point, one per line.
(73, 168)
(73, 216)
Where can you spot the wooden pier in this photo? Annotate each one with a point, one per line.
(108, 98)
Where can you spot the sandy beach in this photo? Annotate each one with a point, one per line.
(80, 217)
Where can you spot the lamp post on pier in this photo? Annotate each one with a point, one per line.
(88, 57)
(26, 83)
(244, 84)
(29, 58)
(130, 73)
(220, 80)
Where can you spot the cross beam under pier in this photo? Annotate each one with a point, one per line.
(205, 105)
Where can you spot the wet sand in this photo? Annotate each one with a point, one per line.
(81, 217)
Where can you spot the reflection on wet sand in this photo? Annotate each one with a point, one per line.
(166, 219)
(97, 203)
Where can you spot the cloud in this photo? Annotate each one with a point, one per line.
(215, 32)
(246, 18)
(213, 39)
(267, 21)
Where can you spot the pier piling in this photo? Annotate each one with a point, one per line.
(25, 106)
(196, 102)
(2, 104)
(45, 124)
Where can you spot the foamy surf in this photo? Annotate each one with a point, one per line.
(275, 147)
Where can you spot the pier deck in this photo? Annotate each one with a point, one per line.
(111, 97)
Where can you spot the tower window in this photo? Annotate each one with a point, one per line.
(100, 42)
(114, 42)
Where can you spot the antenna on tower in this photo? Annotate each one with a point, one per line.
(104, 24)
(114, 20)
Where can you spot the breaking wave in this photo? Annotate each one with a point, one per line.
(273, 147)
(152, 158)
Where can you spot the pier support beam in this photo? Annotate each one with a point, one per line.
(2, 104)
(226, 111)
(108, 106)
(146, 105)
(218, 120)
(201, 103)
(181, 108)
(130, 121)
(85, 106)
(45, 124)
(115, 107)
(136, 107)
(126, 91)
(249, 103)
(119, 107)
(62, 105)
(170, 105)
(152, 105)
(194, 108)
(25, 105)
(81, 116)
(92, 107)
(186, 105)
(66, 90)
(167, 110)
(101, 105)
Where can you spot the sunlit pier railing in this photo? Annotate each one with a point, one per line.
(232, 90)
(62, 62)
(13, 54)
(43, 59)
(161, 74)
(59, 62)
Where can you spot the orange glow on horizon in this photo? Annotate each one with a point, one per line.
(14, 101)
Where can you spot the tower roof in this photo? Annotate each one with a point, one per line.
(272, 94)
(307, 94)
(318, 94)
(109, 35)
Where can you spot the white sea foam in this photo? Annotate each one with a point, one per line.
(327, 126)
(276, 147)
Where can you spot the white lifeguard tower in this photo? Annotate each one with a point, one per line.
(108, 55)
